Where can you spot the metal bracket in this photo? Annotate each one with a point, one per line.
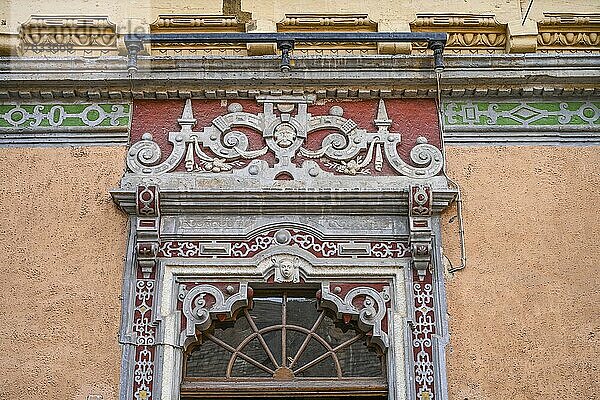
(285, 46)
(438, 57)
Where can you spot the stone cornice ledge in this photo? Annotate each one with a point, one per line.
(351, 202)
(247, 77)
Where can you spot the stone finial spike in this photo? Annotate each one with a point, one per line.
(187, 120)
(382, 121)
(381, 111)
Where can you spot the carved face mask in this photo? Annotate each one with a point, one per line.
(284, 135)
(286, 270)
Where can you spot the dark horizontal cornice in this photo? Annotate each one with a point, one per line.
(326, 76)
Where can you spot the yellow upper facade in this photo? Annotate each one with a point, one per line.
(95, 28)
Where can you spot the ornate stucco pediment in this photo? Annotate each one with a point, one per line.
(285, 153)
(276, 143)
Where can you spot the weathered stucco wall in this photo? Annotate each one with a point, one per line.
(524, 315)
(63, 244)
(393, 14)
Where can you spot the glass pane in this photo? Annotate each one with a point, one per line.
(294, 341)
(273, 341)
(267, 311)
(242, 368)
(313, 350)
(233, 333)
(256, 351)
(207, 360)
(335, 333)
(302, 312)
(323, 369)
(357, 360)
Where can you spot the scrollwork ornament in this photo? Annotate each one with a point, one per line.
(144, 153)
(369, 315)
(346, 149)
(199, 313)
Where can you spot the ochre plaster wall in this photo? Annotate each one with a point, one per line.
(392, 14)
(61, 270)
(524, 314)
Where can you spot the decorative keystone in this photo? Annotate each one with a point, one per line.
(522, 38)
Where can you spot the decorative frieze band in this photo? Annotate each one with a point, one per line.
(304, 146)
(92, 36)
(63, 124)
(197, 23)
(467, 33)
(176, 23)
(522, 113)
(307, 241)
(569, 32)
(74, 35)
(573, 122)
(327, 22)
(48, 116)
(330, 23)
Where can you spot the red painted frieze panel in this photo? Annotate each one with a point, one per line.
(393, 128)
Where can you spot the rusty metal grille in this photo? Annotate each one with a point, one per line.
(285, 338)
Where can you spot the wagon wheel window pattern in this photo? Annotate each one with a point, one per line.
(284, 337)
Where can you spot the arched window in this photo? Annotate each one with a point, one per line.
(284, 343)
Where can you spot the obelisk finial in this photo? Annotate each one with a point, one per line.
(187, 120)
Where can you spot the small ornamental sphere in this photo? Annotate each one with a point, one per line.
(253, 170)
(421, 140)
(146, 136)
(234, 107)
(282, 236)
(336, 111)
(313, 172)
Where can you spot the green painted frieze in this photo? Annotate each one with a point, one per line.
(521, 113)
(22, 116)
